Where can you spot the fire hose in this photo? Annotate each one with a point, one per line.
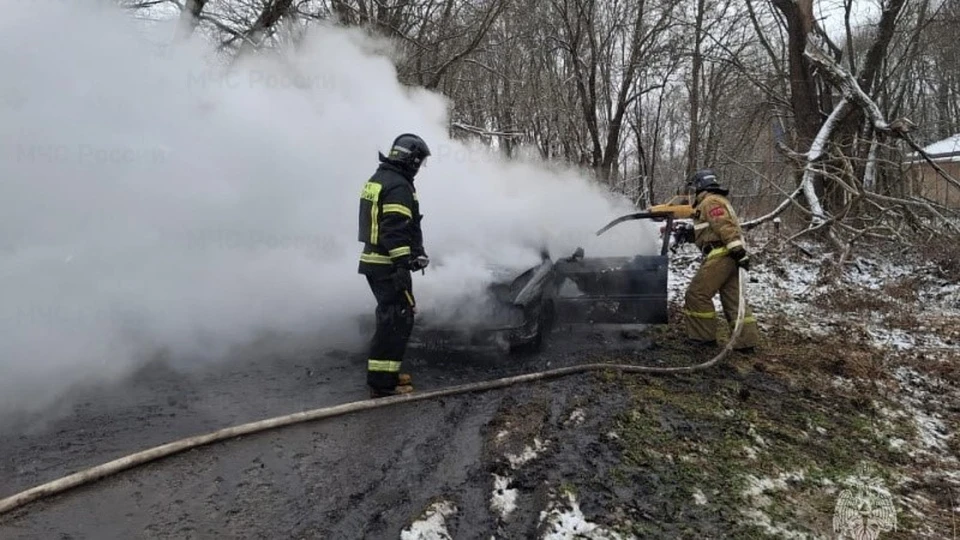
(110, 468)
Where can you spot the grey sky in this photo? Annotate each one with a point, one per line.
(830, 13)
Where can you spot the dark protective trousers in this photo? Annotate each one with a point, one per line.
(719, 273)
(395, 319)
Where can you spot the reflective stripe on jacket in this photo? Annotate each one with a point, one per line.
(389, 224)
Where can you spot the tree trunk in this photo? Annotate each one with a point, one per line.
(695, 70)
(803, 84)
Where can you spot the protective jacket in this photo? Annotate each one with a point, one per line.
(389, 221)
(716, 226)
(717, 230)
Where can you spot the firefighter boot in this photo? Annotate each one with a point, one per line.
(400, 389)
(404, 386)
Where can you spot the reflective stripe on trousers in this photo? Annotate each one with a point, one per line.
(388, 366)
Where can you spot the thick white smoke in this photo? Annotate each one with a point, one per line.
(151, 204)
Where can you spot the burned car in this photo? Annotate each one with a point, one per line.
(577, 291)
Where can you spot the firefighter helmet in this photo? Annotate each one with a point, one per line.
(704, 180)
(408, 151)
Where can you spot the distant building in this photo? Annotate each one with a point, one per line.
(927, 183)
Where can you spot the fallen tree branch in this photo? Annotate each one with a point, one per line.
(870, 171)
(747, 225)
(949, 223)
(846, 83)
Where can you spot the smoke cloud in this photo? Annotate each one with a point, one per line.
(151, 204)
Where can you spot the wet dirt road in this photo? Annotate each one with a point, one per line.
(365, 475)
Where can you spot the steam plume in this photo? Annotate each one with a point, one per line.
(150, 203)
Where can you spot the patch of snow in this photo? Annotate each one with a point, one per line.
(933, 432)
(529, 454)
(504, 500)
(756, 494)
(699, 497)
(897, 444)
(432, 525)
(758, 487)
(893, 338)
(752, 431)
(842, 382)
(750, 451)
(888, 412)
(952, 476)
(764, 522)
(577, 417)
(918, 395)
(565, 521)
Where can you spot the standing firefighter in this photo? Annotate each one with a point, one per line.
(393, 249)
(718, 234)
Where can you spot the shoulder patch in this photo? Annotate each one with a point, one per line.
(717, 211)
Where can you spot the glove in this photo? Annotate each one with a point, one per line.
(685, 233)
(404, 284)
(419, 263)
(741, 256)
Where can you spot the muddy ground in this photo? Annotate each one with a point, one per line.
(361, 476)
(758, 447)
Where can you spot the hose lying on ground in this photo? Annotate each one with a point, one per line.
(128, 462)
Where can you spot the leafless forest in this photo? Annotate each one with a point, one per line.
(808, 108)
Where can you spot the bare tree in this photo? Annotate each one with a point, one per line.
(642, 92)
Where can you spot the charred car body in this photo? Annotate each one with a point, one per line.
(520, 311)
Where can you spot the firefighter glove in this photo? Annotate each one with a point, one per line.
(684, 233)
(419, 263)
(741, 256)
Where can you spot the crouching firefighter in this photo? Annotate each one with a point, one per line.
(393, 249)
(718, 235)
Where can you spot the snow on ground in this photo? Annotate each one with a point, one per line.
(757, 495)
(922, 397)
(432, 525)
(871, 302)
(576, 417)
(900, 309)
(504, 499)
(564, 520)
(905, 311)
(528, 454)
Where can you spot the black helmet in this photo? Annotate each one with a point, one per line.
(408, 151)
(705, 180)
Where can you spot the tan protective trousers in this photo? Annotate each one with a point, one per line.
(718, 273)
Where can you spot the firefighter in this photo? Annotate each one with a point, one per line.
(718, 235)
(392, 250)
